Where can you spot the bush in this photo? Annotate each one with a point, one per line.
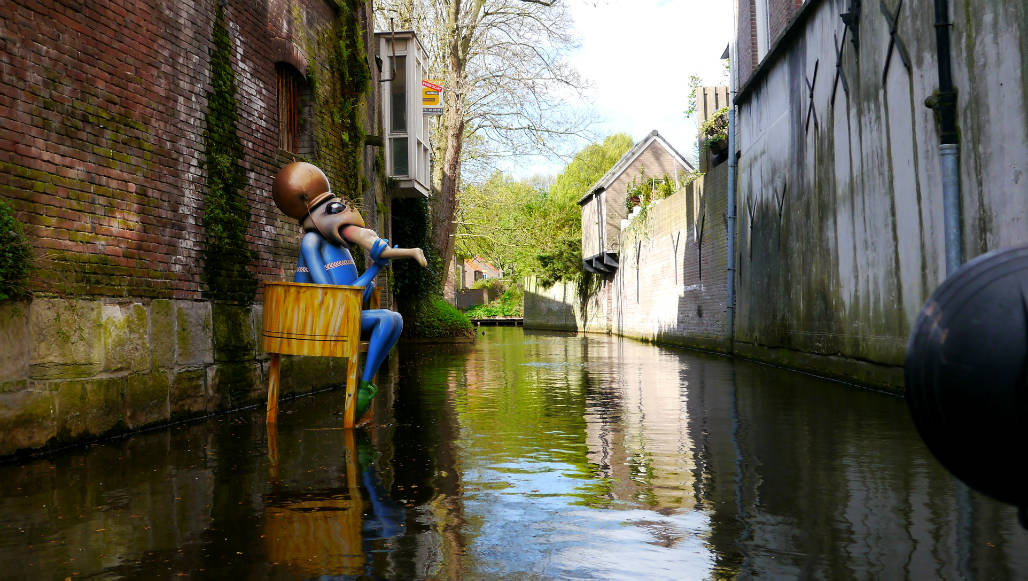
(15, 256)
(508, 305)
(433, 317)
(493, 284)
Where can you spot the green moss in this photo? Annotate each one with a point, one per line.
(15, 256)
(436, 318)
(226, 216)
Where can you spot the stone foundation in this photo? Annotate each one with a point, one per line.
(76, 369)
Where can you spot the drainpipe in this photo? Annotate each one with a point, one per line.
(731, 225)
(732, 169)
(945, 105)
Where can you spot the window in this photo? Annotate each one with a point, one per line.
(400, 164)
(398, 96)
(295, 133)
(761, 20)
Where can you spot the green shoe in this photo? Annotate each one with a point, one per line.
(365, 393)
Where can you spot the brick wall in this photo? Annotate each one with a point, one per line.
(746, 41)
(102, 114)
(780, 14)
(102, 157)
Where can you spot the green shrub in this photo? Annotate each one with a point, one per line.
(493, 284)
(433, 317)
(15, 256)
(508, 305)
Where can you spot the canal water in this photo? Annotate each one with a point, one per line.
(525, 456)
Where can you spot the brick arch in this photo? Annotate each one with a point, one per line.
(284, 51)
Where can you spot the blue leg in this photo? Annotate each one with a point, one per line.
(385, 327)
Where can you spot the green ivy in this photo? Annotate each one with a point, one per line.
(15, 256)
(425, 313)
(226, 216)
(411, 230)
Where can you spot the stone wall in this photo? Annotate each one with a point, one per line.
(670, 286)
(80, 368)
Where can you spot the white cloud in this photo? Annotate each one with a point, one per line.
(638, 56)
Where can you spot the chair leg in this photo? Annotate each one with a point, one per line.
(272, 416)
(350, 409)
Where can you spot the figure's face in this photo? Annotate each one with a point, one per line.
(332, 217)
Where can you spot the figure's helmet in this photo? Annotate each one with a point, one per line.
(298, 188)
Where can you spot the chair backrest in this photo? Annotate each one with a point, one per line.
(311, 319)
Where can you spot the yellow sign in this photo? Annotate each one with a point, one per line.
(432, 97)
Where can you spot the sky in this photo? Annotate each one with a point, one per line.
(638, 56)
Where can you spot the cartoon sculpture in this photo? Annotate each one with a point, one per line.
(331, 226)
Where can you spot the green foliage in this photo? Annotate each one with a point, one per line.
(411, 230)
(715, 129)
(493, 284)
(226, 215)
(15, 256)
(349, 61)
(525, 229)
(694, 84)
(433, 317)
(507, 305)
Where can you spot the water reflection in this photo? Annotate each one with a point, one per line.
(526, 455)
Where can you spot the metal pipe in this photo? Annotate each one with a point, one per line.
(945, 104)
(731, 225)
(949, 156)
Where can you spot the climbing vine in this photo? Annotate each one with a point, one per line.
(226, 216)
(15, 256)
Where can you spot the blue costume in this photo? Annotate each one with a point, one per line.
(322, 262)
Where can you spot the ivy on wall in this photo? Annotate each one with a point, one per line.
(226, 216)
(15, 256)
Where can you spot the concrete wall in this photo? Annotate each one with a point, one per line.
(840, 203)
(670, 286)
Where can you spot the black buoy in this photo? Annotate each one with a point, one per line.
(967, 375)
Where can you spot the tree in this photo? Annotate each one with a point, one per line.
(506, 85)
(526, 228)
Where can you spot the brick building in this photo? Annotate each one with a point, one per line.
(115, 134)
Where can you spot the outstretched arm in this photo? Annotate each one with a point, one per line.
(366, 238)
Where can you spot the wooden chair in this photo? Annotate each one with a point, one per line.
(314, 320)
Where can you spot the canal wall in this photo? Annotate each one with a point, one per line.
(79, 368)
(671, 283)
(840, 204)
(138, 142)
(840, 232)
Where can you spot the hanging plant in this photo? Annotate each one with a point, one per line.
(15, 256)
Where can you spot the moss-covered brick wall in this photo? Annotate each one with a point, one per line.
(138, 143)
(103, 113)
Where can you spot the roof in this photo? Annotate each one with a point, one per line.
(401, 34)
(630, 156)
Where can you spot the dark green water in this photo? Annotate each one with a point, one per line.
(528, 455)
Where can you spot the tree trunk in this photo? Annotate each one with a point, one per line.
(445, 207)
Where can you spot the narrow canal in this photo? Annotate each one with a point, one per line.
(527, 455)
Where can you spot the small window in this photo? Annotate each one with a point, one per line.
(398, 96)
(291, 101)
(400, 163)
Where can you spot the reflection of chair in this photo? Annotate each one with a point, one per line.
(315, 534)
(314, 320)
